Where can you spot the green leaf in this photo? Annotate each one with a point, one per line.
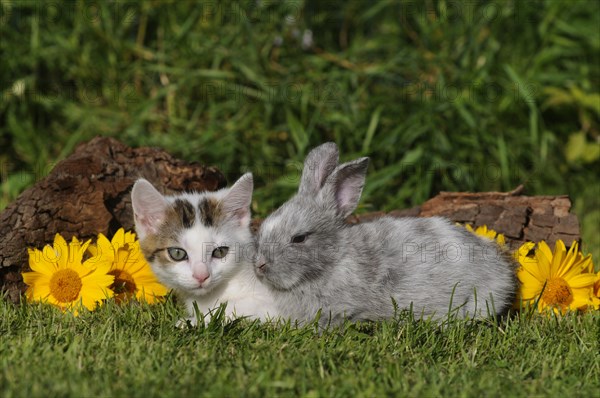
(371, 129)
(297, 132)
(579, 149)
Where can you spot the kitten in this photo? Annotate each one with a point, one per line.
(200, 245)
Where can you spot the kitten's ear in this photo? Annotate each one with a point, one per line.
(318, 165)
(344, 186)
(149, 208)
(236, 203)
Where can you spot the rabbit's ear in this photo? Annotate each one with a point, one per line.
(318, 165)
(345, 185)
(236, 202)
(149, 208)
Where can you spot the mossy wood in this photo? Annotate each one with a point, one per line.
(88, 193)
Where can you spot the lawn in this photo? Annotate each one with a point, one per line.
(135, 350)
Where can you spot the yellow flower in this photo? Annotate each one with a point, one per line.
(133, 276)
(559, 281)
(596, 292)
(60, 276)
(488, 233)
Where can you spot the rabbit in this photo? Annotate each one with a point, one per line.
(313, 260)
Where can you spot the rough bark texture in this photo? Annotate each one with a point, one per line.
(86, 194)
(519, 218)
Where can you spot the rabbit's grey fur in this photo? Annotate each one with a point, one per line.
(359, 271)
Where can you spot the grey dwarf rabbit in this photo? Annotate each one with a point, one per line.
(311, 259)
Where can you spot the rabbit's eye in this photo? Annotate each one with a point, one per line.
(220, 252)
(177, 253)
(299, 238)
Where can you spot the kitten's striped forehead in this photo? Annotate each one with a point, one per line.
(207, 211)
(211, 212)
(185, 212)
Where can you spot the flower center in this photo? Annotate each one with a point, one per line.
(557, 292)
(124, 283)
(65, 285)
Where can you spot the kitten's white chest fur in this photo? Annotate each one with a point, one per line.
(244, 294)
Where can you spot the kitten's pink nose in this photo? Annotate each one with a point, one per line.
(201, 276)
(200, 272)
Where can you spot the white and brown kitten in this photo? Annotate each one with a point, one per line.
(200, 245)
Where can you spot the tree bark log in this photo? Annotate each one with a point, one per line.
(519, 218)
(87, 194)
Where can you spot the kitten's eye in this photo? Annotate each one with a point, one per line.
(299, 238)
(177, 253)
(220, 252)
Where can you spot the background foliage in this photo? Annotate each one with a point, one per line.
(442, 95)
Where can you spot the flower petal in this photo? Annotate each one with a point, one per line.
(41, 292)
(500, 239)
(130, 237)
(530, 293)
(544, 258)
(61, 251)
(77, 250)
(31, 278)
(580, 265)
(582, 281)
(557, 259)
(118, 239)
(49, 254)
(92, 250)
(38, 263)
(527, 278)
(105, 248)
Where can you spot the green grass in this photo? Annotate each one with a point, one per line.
(136, 351)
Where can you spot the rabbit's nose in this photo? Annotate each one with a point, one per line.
(260, 261)
(260, 266)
